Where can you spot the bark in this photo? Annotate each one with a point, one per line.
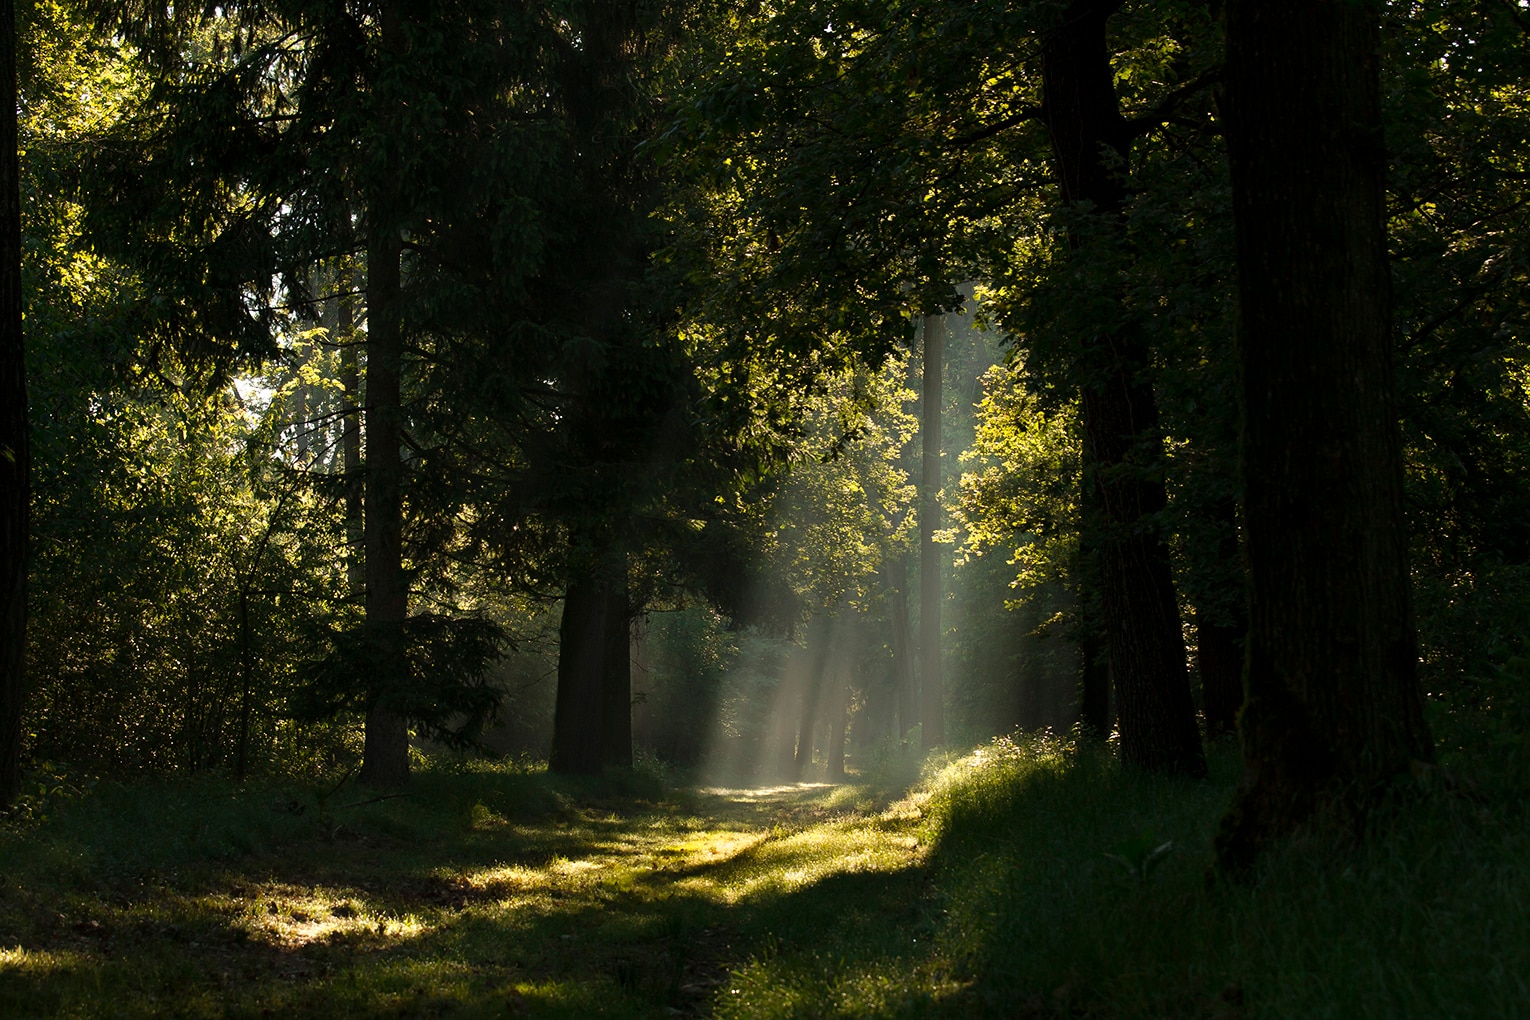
(1219, 658)
(932, 693)
(1334, 710)
(1122, 436)
(15, 450)
(1094, 663)
(578, 717)
(616, 692)
(592, 720)
(385, 754)
(902, 645)
(1094, 686)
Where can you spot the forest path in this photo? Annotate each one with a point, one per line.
(470, 897)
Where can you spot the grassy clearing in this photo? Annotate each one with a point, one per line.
(1027, 879)
(486, 892)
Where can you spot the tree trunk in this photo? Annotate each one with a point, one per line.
(616, 691)
(15, 449)
(1094, 662)
(821, 634)
(1122, 437)
(583, 635)
(385, 754)
(840, 714)
(1219, 638)
(904, 712)
(1334, 710)
(385, 757)
(932, 693)
(1219, 658)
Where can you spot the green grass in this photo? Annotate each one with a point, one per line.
(1045, 900)
(1026, 879)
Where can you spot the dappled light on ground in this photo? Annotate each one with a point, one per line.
(468, 903)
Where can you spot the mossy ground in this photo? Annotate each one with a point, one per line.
(1026, 879)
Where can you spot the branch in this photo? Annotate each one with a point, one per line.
(1026, 113)
(1156, 115)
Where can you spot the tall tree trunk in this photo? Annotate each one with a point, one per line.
(840, 720)
(616, 690)
(932, 691)
(1219, 659)
(15, 449)
(1334, 710)
(1122, 436)
(578, 747)
(1094, 659)
(820, 645)
(904, 712)
(385, 754)
(1219, 635)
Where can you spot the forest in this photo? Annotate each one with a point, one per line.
(770, 508)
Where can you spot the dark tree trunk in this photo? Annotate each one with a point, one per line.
(931, 690)
(1094, 661)
(1334, 710)
(616, 692)
(1122, 437)
(578, 747)
(1094, 684)
(1219, 636)
(15, 450)
(592, 720)
(1219, 658)
(385, 754)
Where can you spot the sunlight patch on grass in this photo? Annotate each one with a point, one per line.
(774, 866)
(716, 846)
(37, 962)
(503, 880)
(567, 868)
(291, 917)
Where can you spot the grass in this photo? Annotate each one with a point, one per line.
(1030, 878)
(1061, 885)
(486, 891)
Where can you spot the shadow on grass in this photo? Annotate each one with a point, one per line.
(480, 894)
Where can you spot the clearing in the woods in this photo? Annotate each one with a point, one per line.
(481, 892)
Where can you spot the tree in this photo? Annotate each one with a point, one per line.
(385, 757)
(931, 692)
(1091, 148)
(15, 459)
(1334, 712)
